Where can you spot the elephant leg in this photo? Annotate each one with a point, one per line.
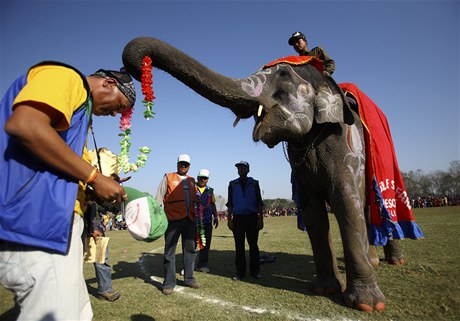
(373, 256)
(393, 253)
(362, 291)
(328, 278)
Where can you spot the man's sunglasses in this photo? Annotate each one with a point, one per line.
(183, 164)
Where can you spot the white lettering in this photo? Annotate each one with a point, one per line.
(392, 213)
(389, 203)
(403, 197)
(400, 194)
(386, 184)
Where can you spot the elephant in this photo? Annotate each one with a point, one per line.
(298, 105)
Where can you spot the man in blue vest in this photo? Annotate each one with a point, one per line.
(44, 120)
(245, 219)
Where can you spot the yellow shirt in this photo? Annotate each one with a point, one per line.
(62, 89)
(201, 189)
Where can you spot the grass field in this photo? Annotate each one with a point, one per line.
(428, 288)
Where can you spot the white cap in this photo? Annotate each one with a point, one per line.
(183, 158)
(203, 173)
(137, 218)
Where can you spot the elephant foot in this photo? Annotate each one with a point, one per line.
(324, 286)
(393, 253)
(379, 307)
(396, 261)
(365, 297)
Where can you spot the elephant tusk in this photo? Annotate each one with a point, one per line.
(259, 112)
(285, 110)
(236, 121)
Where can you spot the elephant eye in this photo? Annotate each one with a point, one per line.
(279, 94)
(283, 74)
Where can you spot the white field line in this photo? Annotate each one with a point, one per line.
(283, 315)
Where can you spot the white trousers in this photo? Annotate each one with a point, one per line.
(48, 287)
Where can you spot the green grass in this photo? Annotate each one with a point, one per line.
(428, 288)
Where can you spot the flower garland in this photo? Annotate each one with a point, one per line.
(200, 237)
(125, 121)
(146, 84)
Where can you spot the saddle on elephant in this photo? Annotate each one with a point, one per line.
(390, 207)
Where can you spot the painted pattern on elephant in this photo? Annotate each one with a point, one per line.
(253, 85)
(355, 161)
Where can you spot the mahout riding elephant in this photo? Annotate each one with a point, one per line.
(297, 104)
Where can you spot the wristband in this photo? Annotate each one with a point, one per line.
(92, 176)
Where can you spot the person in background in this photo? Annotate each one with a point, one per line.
(177, 194)
(95, 215)
(207, 207)
(44, 120)
(299, 42)
(245, 219)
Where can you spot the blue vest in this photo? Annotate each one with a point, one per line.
(37, 203)
(244, 200)
(206, 200)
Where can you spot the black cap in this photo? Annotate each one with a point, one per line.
(242, 163)
(295, 36)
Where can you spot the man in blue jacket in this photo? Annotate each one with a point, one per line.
(245, 219)
(44, 120)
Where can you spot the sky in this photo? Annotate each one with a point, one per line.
(403, 54)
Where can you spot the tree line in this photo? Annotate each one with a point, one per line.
(418, 184)
(437, 183)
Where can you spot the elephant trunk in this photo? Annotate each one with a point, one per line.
(224, 91)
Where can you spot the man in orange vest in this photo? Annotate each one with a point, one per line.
(177, 194)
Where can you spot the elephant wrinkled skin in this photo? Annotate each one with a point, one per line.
(300, 106)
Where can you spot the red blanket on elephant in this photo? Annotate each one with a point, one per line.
(390, 206)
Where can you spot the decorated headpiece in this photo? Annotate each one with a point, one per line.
(124, 83)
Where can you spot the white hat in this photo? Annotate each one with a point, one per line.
(144, 216)
(242, 163)
(203, 173)
(183, 158)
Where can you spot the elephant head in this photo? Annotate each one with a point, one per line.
(285, 100)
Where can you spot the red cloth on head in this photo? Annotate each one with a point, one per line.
(298, 60)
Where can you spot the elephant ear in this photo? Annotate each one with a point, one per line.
(331, 106)
(328, 106)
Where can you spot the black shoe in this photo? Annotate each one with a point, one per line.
(194, 285)
(237, 278)
(204, 270)
(168, 291)
(257, 276)
(109, 296)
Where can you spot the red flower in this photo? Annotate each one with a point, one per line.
(125, 120)
(146, 79)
